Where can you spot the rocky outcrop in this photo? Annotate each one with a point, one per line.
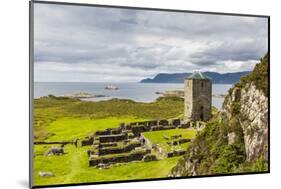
(187, 166)
(253, 118)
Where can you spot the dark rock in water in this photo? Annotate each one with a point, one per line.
(158, 92)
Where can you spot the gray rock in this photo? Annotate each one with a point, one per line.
(45, 174)
(231, 138)
(55, 150)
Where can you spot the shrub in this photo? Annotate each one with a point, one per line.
(259, 165)
(259, 76)
(235, 108)
(230, 158)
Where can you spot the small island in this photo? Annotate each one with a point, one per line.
(84, 95)
(111, 87)
(171, 93)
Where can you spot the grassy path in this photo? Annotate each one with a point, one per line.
(76, 165)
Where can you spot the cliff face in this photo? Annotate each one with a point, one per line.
(253, 118)
(236, 139)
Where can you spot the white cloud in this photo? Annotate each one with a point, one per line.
(96, 44)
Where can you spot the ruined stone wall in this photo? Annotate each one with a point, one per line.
(122, 158)
(119, 150)
(113, 138)
(87, 141)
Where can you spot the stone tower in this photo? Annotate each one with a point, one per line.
(197, 97)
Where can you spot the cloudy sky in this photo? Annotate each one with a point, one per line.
(94, 44)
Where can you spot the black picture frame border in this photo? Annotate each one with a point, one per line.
(31, 90)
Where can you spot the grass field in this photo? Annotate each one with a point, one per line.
(53, 115)
(158, 137)
(63, 119)
(65, 129)
(73, 168)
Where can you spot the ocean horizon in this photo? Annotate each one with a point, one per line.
(139, 92)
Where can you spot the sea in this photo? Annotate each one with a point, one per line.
(140, 92)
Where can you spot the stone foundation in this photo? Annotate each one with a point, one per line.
(121, 158)
(113, 138)
(87, 141)
(119, 150)
(176, 153)
(115, 145)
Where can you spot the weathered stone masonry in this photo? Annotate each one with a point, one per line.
(197, 97)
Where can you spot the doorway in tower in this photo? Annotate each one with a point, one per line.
(201, 113)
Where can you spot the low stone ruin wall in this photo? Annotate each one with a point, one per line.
(149, 124)
(149, 157)
(87, 142)
(122, 158)
(163, 122)
(143, 126)
(176, 122)
(47, 143)
(139, 129)
(128, 127)
(105, 132)
(113, 138)
(159, 128)
(119, 150)
(109, 131)
(176, 153)
(180, 141)
(103, 145)
(152, 123)
(116, 131)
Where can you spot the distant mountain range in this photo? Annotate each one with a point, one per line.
(226, 78)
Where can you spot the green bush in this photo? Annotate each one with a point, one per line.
(213, 151)
(259, 76)
(230, 158)
(235, 108)
(260, 165)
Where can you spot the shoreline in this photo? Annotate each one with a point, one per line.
(109, 98)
